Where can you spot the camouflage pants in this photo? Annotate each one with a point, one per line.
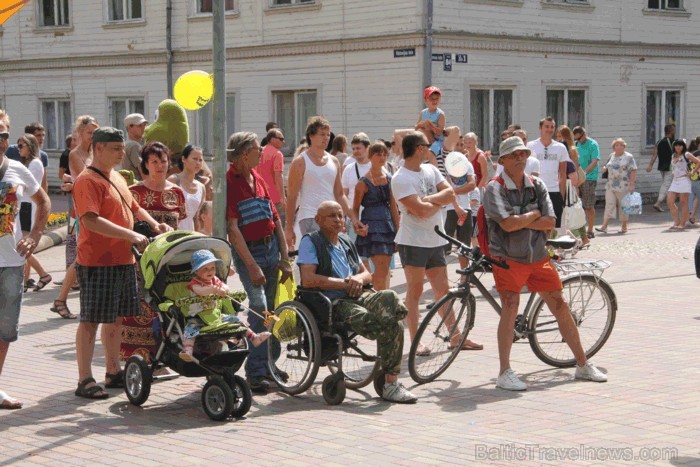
(378, 317)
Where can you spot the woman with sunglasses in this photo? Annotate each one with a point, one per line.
(680, 184)
(28, 147)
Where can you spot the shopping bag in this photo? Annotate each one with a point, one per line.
(632, 203)
(285, 290)
(573, 217)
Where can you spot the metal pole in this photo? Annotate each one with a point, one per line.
(169, 45)
(428, 59)
(219, 103)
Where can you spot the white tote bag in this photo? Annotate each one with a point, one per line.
(573, 217)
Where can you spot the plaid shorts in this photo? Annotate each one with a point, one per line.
(588, 194)
(107, 292)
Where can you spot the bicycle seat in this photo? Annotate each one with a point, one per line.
(565, 243)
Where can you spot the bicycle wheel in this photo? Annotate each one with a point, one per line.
(435, 331)
(593, 307)
(360, 362)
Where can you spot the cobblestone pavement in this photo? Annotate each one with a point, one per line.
(647, 413)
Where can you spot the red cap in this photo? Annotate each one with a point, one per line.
(431, 90)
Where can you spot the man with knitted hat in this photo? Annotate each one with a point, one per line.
(520, 215)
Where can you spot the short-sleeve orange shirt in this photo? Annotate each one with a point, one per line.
(92, 193)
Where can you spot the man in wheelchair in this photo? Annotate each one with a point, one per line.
(329, 261)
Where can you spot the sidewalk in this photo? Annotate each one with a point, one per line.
(648, 410)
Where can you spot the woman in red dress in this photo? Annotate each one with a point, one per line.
(165, 202)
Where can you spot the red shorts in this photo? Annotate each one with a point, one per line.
(539, 277)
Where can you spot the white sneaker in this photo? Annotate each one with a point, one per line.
(589, 372)
(509, 380)
(396, 392)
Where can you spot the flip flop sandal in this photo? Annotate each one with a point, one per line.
(60, 307)
(422, 351)
(116, 381)
(468, 346)
(29, 284)
(94, 392)
(43, 282)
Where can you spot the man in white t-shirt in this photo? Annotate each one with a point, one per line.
(355, 170)
(421, 192)
(552, 156)
(15, 181)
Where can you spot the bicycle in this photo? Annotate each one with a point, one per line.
(591, 299)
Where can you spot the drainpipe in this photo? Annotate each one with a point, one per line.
(428, 59)
(169, 45)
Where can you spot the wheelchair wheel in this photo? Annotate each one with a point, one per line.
(294, 364)
(379, 382)
(333, 389)
(242, 396)
(360, 362)
(137, 380)
(450, 316)
(217, 399)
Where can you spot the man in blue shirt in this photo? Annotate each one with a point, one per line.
(329, 261)
(36, 129)
(588, 157)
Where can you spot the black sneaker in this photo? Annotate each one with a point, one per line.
(281, 375)
(258, 384)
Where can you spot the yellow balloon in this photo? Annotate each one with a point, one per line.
(194, 89)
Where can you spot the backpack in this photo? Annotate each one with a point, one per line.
(482, 227)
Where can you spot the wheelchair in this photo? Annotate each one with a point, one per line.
(319, 341)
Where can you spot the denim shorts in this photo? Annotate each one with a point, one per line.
(10, 301)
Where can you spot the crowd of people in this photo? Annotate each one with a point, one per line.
(346, 214)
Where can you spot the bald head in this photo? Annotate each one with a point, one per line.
(327, 206)
(330, 219)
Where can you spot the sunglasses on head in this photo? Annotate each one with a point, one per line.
(5, 136)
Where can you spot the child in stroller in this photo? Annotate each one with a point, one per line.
(208, 316)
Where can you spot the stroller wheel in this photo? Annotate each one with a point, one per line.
(137, 380)
(217, 399)
(242, 396)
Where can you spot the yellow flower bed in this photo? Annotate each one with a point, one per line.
(57, 218)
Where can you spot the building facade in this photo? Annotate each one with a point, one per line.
(620, 68)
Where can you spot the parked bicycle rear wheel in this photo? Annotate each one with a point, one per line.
(593, 307)
(435, 332)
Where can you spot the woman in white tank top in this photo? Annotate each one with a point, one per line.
(190, 164)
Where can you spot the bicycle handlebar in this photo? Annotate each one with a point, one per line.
(474, 253)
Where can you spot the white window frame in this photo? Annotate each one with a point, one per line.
(129, 107)
(58, 5)
(61, 132)
(494, 133)
(663, 6)
(566, 89)
(195, 7)
(125, 10)
(292, 140)
(664, 88)
(275, 4)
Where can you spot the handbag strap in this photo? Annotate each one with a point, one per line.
(128, 208)
(4, 166)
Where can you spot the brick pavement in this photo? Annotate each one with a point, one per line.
(650, 401)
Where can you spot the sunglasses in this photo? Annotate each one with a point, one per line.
(425, 145)
(88, 120)
(20, 145)
(4, 136)
(281, 139)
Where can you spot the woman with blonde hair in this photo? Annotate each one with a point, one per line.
(622, 173)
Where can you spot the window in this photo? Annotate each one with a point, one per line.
(567, 106)
(120, 107)
(56, 117)
(205, 6)
(663, 107)
(291, 2)
(665, 4)
(205, 123)
(490, 112)
(53, 13)
(292, 109)
(125, 10)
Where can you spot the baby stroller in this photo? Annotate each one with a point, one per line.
(166, 271)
